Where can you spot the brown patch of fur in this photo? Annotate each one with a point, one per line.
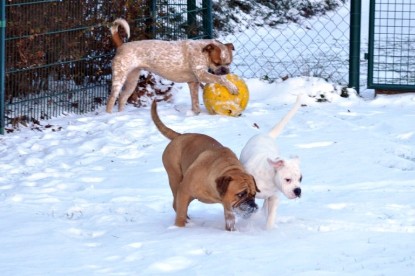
(116, 39)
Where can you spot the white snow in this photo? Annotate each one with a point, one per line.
(89, 195)
(93, 197)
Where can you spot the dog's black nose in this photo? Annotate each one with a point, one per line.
(297, 192)
(221, 71)
(253, 206)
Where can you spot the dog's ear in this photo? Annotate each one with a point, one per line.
(222, 184)
(208, 48)
(230, 47)
(256, 187)
(277, 164)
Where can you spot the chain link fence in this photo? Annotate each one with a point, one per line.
(58, 52)
(302, 39)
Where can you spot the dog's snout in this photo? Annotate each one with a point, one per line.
(222, 70)
(247, 208)
(297, 192)
(253, 206)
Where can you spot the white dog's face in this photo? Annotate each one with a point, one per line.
(288, 176)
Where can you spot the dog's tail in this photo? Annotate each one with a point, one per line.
(168, 132)
(114, 31)
(277, 129)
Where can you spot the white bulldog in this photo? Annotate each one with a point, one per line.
(272, 174)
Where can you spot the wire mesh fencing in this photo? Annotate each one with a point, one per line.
(301, 40)
(391, 45)
(58, 53)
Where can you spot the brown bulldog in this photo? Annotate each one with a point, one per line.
(199, 167)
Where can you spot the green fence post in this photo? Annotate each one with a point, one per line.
(151, 21)
(354, 53)
(207, 18)
(2, 63)
(191, 19)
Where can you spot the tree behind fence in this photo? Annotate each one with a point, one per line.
(58, 53)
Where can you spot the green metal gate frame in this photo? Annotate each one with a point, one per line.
(391, 61)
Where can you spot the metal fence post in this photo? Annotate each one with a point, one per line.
(191, 19)
(207, 18)
(151, 21)
(354, 53)
(2, 63)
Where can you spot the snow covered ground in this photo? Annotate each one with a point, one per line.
(89, 195)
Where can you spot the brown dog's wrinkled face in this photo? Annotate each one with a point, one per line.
(220, 57)
(238, 191)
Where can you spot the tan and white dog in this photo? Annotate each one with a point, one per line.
(261, 158)
(199, 167)
(190, 61)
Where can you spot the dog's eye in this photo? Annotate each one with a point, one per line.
(242, 194)
(288, 180)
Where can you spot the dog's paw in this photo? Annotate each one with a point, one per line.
(172, 227)
(180, 222)
(233, 89)
(270, 227)
(196, 110)
(230, 224)
(231, 229)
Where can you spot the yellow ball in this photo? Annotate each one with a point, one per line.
(218, 100)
